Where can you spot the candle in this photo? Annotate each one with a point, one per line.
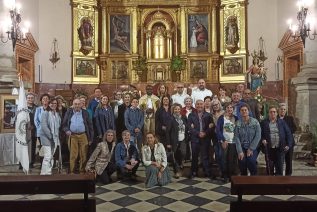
(40, 74)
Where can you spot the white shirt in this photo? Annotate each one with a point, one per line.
(198, 94)
(179, 98)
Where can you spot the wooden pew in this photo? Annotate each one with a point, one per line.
(53, 184)
(273, 185)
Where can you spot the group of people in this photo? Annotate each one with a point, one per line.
(119, 135)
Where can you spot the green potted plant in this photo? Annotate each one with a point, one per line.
(140, 65)
(177, 65)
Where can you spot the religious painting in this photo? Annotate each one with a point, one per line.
(85, 34)
(8, 107)
(233, 66)
(198, 33)
(85, 70)
(198, 69)
(232, 34)
(120, 33)
(120, 70)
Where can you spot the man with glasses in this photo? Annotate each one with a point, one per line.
(180, 95)
(277, 139)
(253, 103)
(289, 120)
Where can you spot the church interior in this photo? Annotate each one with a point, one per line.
(71, 47)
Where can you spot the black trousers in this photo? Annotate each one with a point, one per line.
(33, 148)
(179, 155)
(105, 177)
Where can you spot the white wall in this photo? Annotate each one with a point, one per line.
(55, 22)
(262, 16)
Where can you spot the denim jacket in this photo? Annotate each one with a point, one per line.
(247, 135)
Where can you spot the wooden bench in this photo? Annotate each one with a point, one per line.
(273, 185)
(54, 184)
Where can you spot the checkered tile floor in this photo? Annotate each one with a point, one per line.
(199, 194)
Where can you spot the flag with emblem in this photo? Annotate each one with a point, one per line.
(22, 133)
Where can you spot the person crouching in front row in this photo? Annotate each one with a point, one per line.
(102, 159)
(155, 162)
(126, 157)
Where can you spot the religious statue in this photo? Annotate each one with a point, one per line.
(257, 73)
(232, 34)
(85, 33)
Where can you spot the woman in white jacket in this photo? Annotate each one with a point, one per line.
(155, 162)
(49, 133)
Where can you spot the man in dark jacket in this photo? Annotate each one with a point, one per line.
(289, 120)
(200, 125)
(277, 138)
(78, 127)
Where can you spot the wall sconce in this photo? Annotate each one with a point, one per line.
(302, 29)
(11, 26)
(54, 55)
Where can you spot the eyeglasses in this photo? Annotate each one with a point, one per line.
(272, 111)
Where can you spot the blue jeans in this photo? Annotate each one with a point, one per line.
(248, 163)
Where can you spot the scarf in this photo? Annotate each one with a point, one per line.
(181, 125)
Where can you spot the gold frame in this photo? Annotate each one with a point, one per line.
(209, 32)
(80, 9)
(196, 59)
(233, 78)
(109, 29)
(239, 9)
(2, 107)
(85, 79)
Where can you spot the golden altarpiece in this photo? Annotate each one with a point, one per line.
(110, 36)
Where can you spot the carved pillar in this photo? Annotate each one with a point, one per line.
(169, 45)
(148, 45)
(183, 31)
(213, 29)
(134, 30)
(104, 43)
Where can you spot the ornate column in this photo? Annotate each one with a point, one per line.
(148, 45)
(134, 29)
(214, 28)
(306, 86)
(183, 31)
(104, 43)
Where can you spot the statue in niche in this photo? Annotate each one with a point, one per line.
(257, 73)
(232, 34)
(159, 36)
(85, 33)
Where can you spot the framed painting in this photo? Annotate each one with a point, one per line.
(85, 70)
(119, 70)
(198, 33)
(232, 69)
(198, 68)
(8, 107)
(120, 41)
(233, 66)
